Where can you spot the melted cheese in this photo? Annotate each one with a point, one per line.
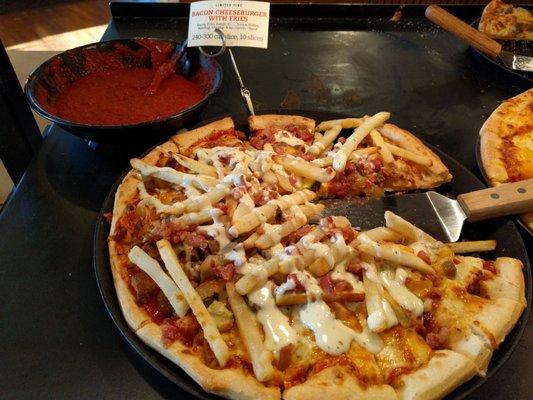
(331, 335)
(278, 331)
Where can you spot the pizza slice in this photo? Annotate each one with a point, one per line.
(505, 22)
(506, 143)
(376, 158)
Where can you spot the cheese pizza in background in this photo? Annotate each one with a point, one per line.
(506, 143)
(217, 265)
(504, 22)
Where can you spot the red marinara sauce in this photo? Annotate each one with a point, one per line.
(115, 93)
(117, 97)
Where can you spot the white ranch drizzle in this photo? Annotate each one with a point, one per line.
(431, 249)
(339, 272)
(394, 283)
(331, 335)
(216, 230)
(278, 331)
(382, 315)
(290, 139)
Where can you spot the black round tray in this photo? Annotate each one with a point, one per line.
(497, 66)
(510, 244)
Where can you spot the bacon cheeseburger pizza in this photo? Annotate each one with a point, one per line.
(506, 143)
(219, 267)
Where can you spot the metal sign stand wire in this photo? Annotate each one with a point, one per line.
(245, 93)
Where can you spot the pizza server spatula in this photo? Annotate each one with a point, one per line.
(440, 216)
(478, 39)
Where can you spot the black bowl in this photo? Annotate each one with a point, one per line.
(47, 82)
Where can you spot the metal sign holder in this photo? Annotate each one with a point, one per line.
(245, 93)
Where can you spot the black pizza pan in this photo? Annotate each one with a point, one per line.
(487, 181)
(520, 47)
(509, 241)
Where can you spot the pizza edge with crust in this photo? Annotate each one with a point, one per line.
(492, 145)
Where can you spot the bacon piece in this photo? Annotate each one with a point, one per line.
(164, 306)
(435, 294)
(145, 288)
(184, 329)
(222, 207)
(301, 132)
(449, 268)
(334, 286)
(297, 235)
(326, 283)
(340, 285)
(292, 179)
(424, 257)
(354, 267)
(284, 357)
(108, 217)
(348, 234)
(474, 287)
(225, 271)
(436, 340)
(196, 240)
(298, 287)
(260, 137)
(224, 159)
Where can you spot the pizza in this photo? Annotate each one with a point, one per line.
(504, 22)
(506, 143)
(223, 264)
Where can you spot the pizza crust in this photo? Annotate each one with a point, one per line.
(509, 282)
(337, 382)
(476, 349)
(503, 21)
(439, 173)
(445, 371)
(497, 319)
(258, 122)
(491, 143)
(135, 316)
(231, 383)
(187, 139)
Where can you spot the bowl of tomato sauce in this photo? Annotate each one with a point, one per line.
(107, 90)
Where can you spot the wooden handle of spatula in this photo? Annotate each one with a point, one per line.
(463, 31)
(506, 199)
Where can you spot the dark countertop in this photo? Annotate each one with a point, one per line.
(57, 339)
